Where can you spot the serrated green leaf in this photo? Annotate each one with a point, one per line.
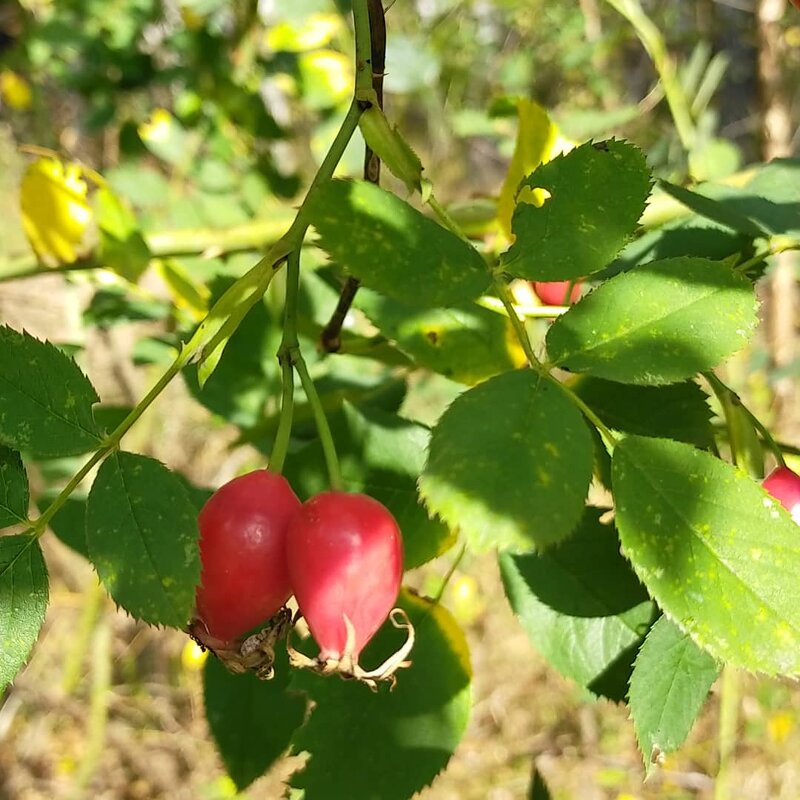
(391, 247)
(597, 194)
(382, 455)
(23, 601)
(45, 400)
(690, 236)
(719, 555)
(141, 529)
(251, 720)
(710, 208)
(396, 742)
(466, 344)
(653, 325)
(582, 606)
(669, 685)
(14, 496)
(509, 464)
(679, 411)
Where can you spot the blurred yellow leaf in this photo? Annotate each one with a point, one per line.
(316, 31)
(538, 141)
(55, 210)
(15, 91)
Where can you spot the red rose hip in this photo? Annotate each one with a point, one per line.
(784, 486)
(345, 559)
(554, 293)
(244, 578)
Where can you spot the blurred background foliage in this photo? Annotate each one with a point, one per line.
(206, 120)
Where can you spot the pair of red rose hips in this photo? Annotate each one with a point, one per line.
(340, 554)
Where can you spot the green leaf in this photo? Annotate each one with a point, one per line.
(509, 464)
(45, 400)
(671, 680)
(679, 411)
(251, 720)
(381, 455)
(713, 209)
(123, 248)
(652, 325)
(14, 496)
(719, 555)
(393, 248)
(115, 306)
(689, 236)
(141, 528)
(597, 194)
(466, 344)
(396, 742)
(247, 373)
(582, 606)
(23, 602)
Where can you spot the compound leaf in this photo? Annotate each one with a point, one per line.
(141, 530)
(398, 741)
(45, 400)
(509, 464)
(660, 323)
(582, 606)
(669, 685)
(393, 248)
(23, 602)
(584, 223)
(718, 554)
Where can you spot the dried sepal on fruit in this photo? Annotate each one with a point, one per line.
(345, 557)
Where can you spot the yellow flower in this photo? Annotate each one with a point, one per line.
(15, 90)
(55, 210)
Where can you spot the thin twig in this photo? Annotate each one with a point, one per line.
(331, 336)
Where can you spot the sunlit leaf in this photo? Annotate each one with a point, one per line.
(719, 555)
(55, 210)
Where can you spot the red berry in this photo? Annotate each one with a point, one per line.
(345, 557)
(784, 486)
(244, 579)
(554, 293)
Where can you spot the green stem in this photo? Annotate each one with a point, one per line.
(289, 345)
(522, 336)
(650, 36)
(323, 428)
(726, 395)
(449, 575)
(164, 244)
(772, 250)
(730, 697)
(112, 441)
(363, 35)
(444, 217)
